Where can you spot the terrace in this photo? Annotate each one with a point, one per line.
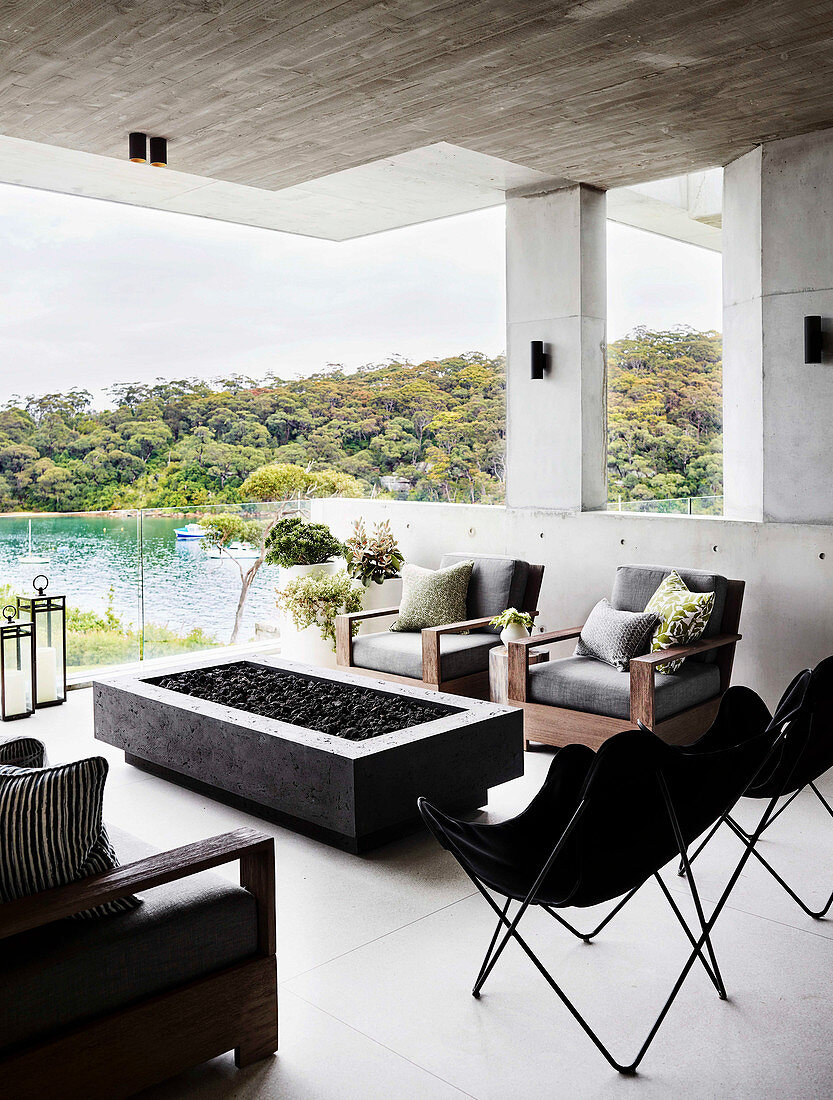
(408, 114)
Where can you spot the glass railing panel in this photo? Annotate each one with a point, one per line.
(93, 560)
(191, 592)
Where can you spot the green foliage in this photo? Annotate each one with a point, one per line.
(228, 527)
(512, 615)
(665, 415)
(436, 429)
(293, 541)
(372, 559)
(316, 599)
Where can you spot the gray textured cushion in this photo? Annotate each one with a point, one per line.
(401, 654)
(580, 683)
(635, 584)
(72, 970)
(615, 636)
(496, 584)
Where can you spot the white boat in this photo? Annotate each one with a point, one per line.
(190, 531)
(32, 558)
(237, 550)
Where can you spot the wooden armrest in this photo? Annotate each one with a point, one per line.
(357, 616)
(518, 658)
(678, 651)
(642, 673)
(549, 638)
(457, 628)
(255, 850)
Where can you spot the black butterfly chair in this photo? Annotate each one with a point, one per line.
(600, 827)
(798, 766)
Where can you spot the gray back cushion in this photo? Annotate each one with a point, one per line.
(635, 584)
(496, 583)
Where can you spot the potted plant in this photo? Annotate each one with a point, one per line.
(374, 560)
(310, 603)
(516, 624)
(300, 547)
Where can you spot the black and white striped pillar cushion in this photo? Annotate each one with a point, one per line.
(22, 752)
(51, 830)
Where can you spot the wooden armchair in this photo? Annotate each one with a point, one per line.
(151, 1037)
(452, 658)
(557, 696)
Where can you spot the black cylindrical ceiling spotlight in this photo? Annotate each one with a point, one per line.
(138, 148)
(812, 340)
(159, 152)
(538, 359)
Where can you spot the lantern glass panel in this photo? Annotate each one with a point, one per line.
(17, 672)
(49, 641)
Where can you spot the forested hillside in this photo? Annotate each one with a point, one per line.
(428, 431)
(665, 415)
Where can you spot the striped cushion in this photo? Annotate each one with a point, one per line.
(51, 831)
(22, 752)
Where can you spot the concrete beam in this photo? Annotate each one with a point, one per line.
(685, 208)
(556, 292)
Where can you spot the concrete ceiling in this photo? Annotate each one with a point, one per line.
(275, 93)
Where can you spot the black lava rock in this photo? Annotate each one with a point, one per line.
(355, 713)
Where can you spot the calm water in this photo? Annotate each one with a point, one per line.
(183, 588)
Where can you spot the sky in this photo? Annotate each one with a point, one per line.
(93, 293)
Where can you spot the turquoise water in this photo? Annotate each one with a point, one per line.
(173, 583)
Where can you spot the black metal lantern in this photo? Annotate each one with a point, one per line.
(48, 616)
(17, 666)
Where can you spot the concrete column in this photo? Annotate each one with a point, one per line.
(778, 267)
(556, 292)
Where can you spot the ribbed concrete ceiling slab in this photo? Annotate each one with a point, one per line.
(272, 94)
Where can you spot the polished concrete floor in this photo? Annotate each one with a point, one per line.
(377, 955)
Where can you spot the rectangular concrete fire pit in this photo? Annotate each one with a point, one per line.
(355, 794)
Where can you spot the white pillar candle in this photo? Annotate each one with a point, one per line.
(15, 697)
(47, 674)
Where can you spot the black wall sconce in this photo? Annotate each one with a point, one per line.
(539, 359)
(812, 340)
(138, 148)
(159, 152)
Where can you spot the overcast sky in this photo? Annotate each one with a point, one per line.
(93, 293)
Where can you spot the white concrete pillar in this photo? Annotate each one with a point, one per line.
(778, 267)
(556, 292)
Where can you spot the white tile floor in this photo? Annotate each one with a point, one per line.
(377, 955)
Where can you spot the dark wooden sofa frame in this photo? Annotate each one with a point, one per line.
(475, 686)
(120, 1053)
(552, 725)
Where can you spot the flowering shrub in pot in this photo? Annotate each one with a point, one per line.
(311, 604)
(372, 558)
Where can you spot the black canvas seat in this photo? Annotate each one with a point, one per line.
(799, 761)
(604, 823)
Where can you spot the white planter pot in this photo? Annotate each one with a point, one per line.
(309, 648)
(386, 594)
(294, 571)
(306, 646)
(513, 633)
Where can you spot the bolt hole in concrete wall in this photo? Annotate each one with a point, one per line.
(621, 542)
(715, 549)
(821, 557)
(472, 532)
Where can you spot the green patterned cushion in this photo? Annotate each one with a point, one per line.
(433, 597)
(683, 616)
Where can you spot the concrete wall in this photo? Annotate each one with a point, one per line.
(787, 622)
(555, 292)
(778, 267)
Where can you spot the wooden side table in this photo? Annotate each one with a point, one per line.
(499, 671)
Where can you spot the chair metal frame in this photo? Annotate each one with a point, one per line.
(698, 942)
(746, 837)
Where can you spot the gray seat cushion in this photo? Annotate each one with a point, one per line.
(401, 654)
(635, 584)
(69, 971)
(582, 683)
(496, 583)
